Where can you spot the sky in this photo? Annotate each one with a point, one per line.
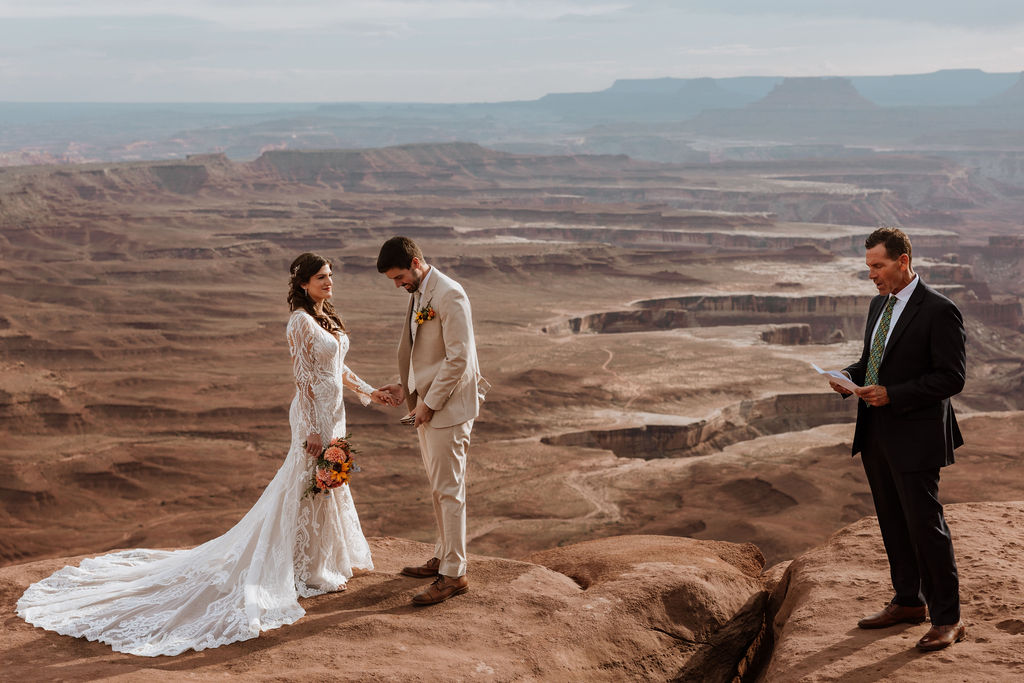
(472, 50)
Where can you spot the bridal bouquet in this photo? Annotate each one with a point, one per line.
(334, 466)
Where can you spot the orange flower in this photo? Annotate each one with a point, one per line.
(323, 478)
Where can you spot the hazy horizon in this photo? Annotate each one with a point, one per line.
(304, 103)
(466, 51)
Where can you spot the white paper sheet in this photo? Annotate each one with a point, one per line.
(837, 377)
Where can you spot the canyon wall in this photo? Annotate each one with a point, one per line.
(738, 422)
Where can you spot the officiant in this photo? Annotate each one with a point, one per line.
(912, 362)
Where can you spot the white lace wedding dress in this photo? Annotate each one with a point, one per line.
(155, 602)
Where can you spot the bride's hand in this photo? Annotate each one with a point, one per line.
(395, 394)
(313, 445)
(382, 397)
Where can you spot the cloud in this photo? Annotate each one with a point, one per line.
(459, 50)
(304, 14)
(953, 13)
(737, 50)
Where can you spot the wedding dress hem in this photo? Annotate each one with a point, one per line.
(248, 580)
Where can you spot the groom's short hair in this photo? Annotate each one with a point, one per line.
(397, 252)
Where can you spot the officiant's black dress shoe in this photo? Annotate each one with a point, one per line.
(894, 614)
(443, 588)
(424, 571)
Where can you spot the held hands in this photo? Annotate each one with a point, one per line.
(393, 395)
(386, 396)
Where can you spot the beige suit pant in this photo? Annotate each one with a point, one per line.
(444, 457)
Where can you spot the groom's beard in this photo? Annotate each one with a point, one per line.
(413, 286)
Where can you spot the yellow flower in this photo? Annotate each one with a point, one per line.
(424, 314)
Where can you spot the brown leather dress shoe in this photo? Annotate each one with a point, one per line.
(939, 637)
(443, 588)
(424, 571)
(894, 614)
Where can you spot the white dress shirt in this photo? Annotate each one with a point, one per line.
(416, 305)
(902, 297)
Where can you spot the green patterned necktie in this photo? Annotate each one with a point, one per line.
(878, 343)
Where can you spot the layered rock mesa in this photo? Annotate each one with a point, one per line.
(832, 110)
(739, 422)
(1012, 96)
(622, 608)
(543, 190)
(825, 315)
(822, 318)
(813, 93)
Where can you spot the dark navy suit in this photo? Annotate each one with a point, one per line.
(904, 444)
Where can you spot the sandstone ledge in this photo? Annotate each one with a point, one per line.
(826, 590)
(636, 608)
(621, 608)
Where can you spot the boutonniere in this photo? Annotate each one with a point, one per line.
(424, 314)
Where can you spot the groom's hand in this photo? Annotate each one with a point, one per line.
(395, 393)
(383, 397)
(424, 413)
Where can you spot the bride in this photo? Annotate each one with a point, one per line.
(156, 602)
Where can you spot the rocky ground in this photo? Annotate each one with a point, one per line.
(637, 607)
(825, 590)
(623, 608)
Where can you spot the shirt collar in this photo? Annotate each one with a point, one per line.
(426, 278)
(905, 293)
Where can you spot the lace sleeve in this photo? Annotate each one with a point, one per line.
(351, 381)
(308, 377)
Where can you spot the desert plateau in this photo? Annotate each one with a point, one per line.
(660, 486)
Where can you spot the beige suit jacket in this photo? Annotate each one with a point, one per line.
(443, 354)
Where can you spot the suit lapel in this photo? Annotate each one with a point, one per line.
(408, 322)
(405, 345)
(428, 291)
(910, 311)
(874, 311)
(425, 298)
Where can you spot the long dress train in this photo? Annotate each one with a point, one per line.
(155, 602)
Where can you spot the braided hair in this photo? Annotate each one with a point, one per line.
(303, 268)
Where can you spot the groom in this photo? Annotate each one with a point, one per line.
(441, 384)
